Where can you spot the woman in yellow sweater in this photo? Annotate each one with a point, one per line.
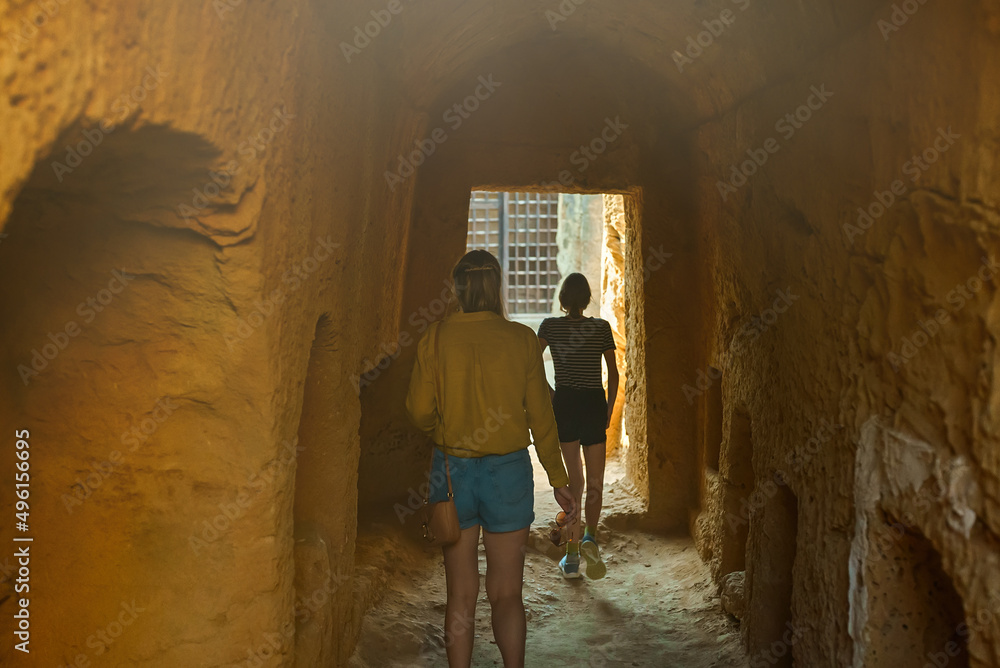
(493, 392)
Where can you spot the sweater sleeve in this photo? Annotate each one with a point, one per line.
(541, 419)
(421, 399)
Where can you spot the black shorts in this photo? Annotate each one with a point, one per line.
(581, 414)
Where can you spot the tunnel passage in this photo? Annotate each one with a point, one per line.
(660, 258)
(870, 238)
(385, 491)
(542, 237)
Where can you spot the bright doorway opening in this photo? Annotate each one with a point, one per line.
(542, 237)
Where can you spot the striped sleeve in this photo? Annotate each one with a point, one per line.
(543, 330)
(609, 338)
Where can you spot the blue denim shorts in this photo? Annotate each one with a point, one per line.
(494, 491)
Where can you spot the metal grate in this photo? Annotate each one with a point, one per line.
(520, 229)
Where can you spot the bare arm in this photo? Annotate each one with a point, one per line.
(609, 357)
(545, 344)
(542, 422)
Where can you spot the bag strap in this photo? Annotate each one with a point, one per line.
(437, 395)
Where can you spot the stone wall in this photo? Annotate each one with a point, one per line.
(835, 367)
(863, 373)
(614, 307)
(170, 268)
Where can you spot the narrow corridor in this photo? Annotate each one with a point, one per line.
(656, 607)
(225, 226)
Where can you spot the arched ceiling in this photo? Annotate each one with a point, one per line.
(432, 44)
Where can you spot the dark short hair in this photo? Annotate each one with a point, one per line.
(574, 295)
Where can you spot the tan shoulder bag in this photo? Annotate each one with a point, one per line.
(440, 519)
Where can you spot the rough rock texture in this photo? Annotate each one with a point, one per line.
(733, 594)
(849, 367)
(165, 416)
(614, 308)
(855, 434)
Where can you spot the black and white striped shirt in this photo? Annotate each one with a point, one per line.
(577, 348)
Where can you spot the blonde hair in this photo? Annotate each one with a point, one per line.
(479, 283)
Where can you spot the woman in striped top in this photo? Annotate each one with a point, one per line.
(582, 411)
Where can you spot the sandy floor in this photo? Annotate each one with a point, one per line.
(656, 607)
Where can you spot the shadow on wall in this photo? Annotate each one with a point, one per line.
(113, 313)
(325, 509)
(921, 616)
(148, 174)
(769, 632)
(738, 498)
(108, 183)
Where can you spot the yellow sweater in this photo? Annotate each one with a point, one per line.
(493, 391)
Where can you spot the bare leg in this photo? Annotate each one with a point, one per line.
(461, 567)
(595, 457)
(574, 467)
(504, 581)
